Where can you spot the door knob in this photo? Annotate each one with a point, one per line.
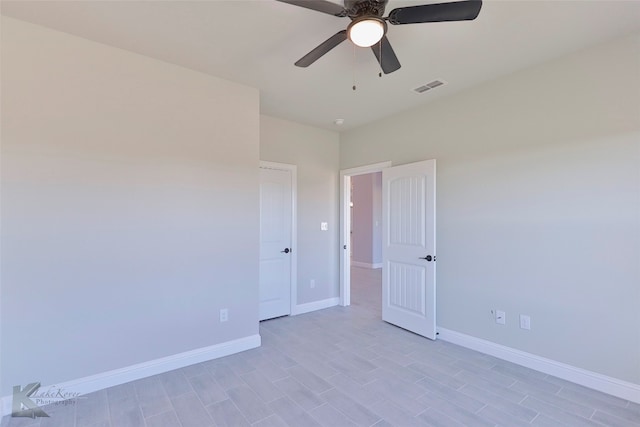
(286, 251)
(429, 258)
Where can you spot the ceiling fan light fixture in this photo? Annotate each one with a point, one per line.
(367, 31)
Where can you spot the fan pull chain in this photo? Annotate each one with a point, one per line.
(353, 67)
(380, 52)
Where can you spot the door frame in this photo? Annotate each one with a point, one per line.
(345, 224)
(294, 220)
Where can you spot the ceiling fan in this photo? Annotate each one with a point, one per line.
(368, 27)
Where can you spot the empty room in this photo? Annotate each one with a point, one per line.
(185, 240)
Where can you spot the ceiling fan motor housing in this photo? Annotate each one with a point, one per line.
(358, 8)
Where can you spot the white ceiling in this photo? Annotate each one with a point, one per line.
(256, 42)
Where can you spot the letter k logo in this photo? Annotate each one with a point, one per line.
(21, 399)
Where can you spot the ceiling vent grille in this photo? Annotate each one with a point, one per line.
(431, 85)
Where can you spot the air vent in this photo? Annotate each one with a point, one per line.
(431, 85)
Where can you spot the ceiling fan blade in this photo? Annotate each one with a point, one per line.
(386, 56)
(323, 48)
(439, 12)
(319, 5)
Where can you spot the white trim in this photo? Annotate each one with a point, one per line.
(613, 386)
(294, 225)
(146, 369)
(345, 224)
(366, 264)
(363, 170)
(315, 305)
(345, 241)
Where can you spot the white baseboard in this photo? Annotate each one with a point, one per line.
(613, 386)
(366, 264)
(316, 305)
(146, 369)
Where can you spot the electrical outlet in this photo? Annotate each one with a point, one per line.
(501, 317)
(525, 322)
(224, 314)
(312, 283)
(324, 226)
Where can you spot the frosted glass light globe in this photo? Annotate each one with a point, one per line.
(367, 32)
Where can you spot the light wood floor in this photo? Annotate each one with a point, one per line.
(343, 366)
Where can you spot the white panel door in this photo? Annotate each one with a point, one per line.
(275, 242)
(408, 247)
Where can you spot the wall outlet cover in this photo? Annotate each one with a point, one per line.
(525, 322)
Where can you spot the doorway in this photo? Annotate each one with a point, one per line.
(346, 224)
(408, 243)
(366, 240)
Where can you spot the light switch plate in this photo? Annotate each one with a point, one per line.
(324, 226)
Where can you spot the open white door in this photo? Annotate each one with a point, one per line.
(408, 247)
(275, 242)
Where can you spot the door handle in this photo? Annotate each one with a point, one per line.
(429, 258)
(286, 251)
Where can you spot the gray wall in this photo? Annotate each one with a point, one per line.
(366, 227)
(316, 154)
(538, 207)
(129, 208)
(362, 218)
